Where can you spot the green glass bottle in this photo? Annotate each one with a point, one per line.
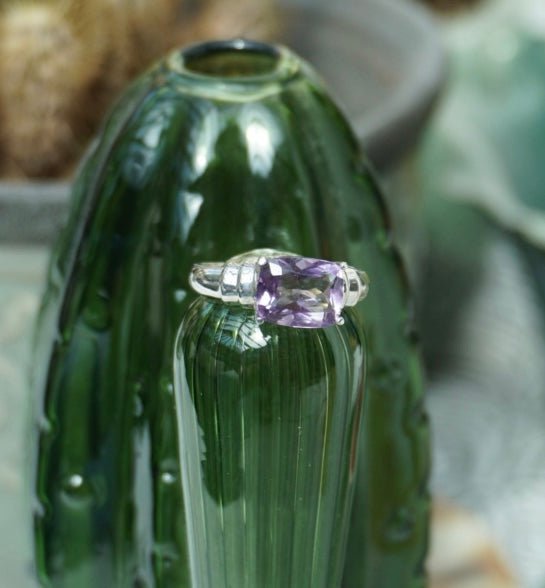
(269, 419)
(219, 149)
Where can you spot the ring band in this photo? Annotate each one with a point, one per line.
(284, 288)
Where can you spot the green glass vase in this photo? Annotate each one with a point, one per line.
(219, 149)
(269, 420)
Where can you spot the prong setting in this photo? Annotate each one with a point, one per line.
(356, 286)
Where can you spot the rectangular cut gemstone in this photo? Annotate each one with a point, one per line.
(300, 292)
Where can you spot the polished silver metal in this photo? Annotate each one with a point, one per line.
(235, 280)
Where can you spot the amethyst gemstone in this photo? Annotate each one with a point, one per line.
(300, 292)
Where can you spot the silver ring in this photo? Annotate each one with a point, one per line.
(283, 288)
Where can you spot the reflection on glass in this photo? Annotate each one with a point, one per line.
(269, 419)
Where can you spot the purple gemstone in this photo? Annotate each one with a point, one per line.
(300, 292)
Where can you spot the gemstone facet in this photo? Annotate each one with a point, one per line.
(300, 292)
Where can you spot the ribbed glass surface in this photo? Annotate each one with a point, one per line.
(269, 419)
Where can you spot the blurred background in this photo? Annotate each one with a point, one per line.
(447, 97)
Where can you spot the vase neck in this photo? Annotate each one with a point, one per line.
(235, 70)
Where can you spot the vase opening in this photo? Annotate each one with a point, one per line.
(238, 59)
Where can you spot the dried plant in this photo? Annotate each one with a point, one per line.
(63, 62)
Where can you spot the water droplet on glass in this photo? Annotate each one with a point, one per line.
(167, 386)
(138, 164)
(417, 415)
(169, 471)
(38, 508)
(63, 337)
(77, 491)
(387, 375)
(401, 525)
(55, 275)
(138, 407)
(140, 581)
(167, 553)
(180, 295)
(168, 477)
(97, 312)
(410, 332)
(45, 425)
(384, 240)
(75, 481)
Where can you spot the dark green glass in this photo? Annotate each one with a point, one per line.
(217, 150)
(269, 419)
